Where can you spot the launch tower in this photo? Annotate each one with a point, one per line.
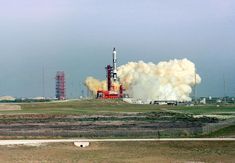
(114, 89)
(60, 85)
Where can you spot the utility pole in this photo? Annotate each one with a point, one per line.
(224, 88)
(43, 81)
(195, 86)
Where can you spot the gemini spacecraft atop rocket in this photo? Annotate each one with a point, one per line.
(114, 64)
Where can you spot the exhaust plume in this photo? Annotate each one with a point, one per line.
(94, 84)
(172, 80)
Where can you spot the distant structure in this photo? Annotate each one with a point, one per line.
(60, 85)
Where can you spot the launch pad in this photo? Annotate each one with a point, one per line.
(114, 88)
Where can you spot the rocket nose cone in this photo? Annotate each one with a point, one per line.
(114, 49)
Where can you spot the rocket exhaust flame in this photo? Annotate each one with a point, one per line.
(172, 80)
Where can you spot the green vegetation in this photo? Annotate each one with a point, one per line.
(225, 132)
(111, 118)
(112, 107)
(81, 107)
(131, 125)
(146, 117)
(207, 109)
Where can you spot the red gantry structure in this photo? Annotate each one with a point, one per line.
(60, 85)
(114, 89)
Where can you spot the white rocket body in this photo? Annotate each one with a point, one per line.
(114, 65)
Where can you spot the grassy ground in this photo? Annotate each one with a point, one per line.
(225, 132)
(207, 109)
(148, 117)
(122, 152)
(81, 107)
(141, 125)
(112, 106)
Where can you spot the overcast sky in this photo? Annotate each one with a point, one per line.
(77, 36)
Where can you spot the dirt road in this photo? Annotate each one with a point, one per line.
(41, 141)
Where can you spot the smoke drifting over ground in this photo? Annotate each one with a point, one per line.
(172, 80)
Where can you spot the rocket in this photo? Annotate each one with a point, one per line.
(114, 65)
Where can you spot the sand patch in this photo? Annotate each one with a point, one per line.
(9, 107)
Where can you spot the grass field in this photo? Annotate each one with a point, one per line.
(122, 152)
(225, 132)
(110, 118)
(114, 118)
(211, 109)
(81, 107)
(112, 107)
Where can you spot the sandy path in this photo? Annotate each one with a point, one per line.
(9, 107)
(41, 141)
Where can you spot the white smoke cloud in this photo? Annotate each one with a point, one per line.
(172, 80)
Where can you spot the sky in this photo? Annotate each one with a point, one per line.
(77, 36)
